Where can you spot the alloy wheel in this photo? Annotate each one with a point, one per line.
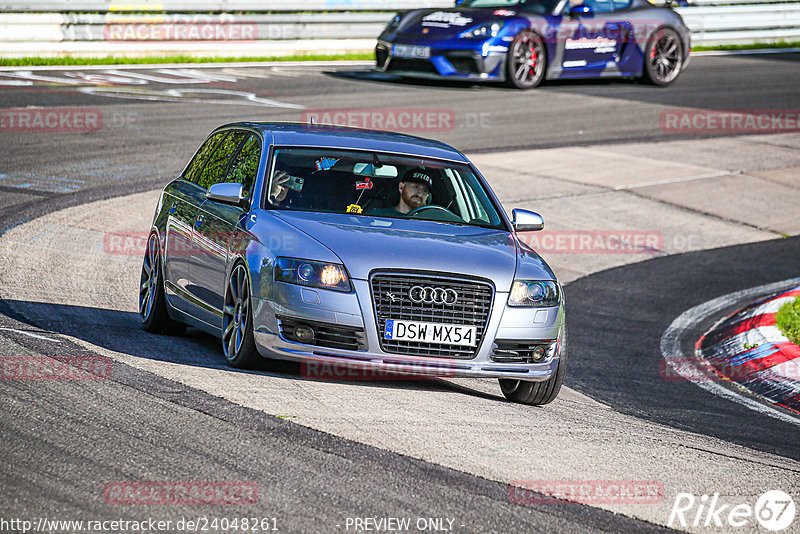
(236, 312)
(150, 277)
(665, 57)
(528, 59)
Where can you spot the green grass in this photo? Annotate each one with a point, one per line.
(788, 320)
(754, 46)
(56, 61)
(59, 61)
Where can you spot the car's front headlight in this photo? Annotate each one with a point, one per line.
(311, 273)
(484, 31)
(394, 23)
(534, 294)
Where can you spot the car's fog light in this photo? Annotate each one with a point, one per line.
(304, 333)
(539, 353)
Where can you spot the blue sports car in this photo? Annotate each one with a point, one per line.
(344, 248)
(522, 42)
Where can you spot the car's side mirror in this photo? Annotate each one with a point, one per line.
(526, 221)
(228, 193)
(581, 11)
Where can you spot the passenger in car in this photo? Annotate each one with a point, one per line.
(279, 189)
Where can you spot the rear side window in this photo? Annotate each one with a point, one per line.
(245, 164)
(217, 164)
(194, 169)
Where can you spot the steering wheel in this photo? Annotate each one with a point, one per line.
(431, 207)
(448, 215)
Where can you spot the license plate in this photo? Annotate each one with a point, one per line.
(446, 334)
(411, 51)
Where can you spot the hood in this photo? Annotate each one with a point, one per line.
(365, 243)
(449, 23)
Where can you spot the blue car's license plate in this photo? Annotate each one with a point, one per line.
(411, 51)
(446, 334)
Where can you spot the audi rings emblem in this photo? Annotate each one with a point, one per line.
(432, 295)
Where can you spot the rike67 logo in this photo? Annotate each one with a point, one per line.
(774, 510)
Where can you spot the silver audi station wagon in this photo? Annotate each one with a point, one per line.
(353, 248)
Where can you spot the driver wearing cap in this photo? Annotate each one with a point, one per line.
(415, 189)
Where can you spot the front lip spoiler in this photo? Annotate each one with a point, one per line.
(387, 366)
(430, 76)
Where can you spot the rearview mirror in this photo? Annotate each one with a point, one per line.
(526, 221)
(581, 11)
(228, 193)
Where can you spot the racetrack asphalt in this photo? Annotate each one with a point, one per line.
(140, 425)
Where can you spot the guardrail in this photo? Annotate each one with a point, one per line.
(742, 24)
(254, 6)
(267, 34)
(216, 6)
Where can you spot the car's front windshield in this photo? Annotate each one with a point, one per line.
(542, 7)
(378, 185)
(490, 3)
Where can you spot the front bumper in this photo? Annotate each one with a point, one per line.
(446, 61)
(354, 310)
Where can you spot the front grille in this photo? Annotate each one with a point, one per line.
(473, 307)
(326, 335)
(413, 65)
(463, 64)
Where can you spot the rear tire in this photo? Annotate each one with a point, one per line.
(152, 300)
(526, 61)
(238, 343)
(663, 58)
(537, 393)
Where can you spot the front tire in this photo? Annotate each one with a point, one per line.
(663, 60)
(238, 343)
(537, 393)
(152, 301)
(526, 61)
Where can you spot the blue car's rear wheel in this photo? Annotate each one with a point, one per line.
(526, 61)
(663, 59)
(238, 343)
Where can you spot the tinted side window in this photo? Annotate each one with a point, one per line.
(196, 166)
(218, 163)
(598, 6)
(245, 165)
